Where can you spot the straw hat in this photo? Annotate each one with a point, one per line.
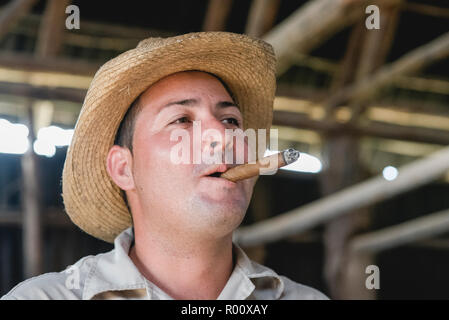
(245, 64)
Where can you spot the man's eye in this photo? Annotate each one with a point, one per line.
(233, 121)
(181, 120)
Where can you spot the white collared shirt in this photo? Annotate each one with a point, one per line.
(113, 275)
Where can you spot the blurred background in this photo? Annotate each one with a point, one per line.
(368, 109)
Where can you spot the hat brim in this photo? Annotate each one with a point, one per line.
(246, 65)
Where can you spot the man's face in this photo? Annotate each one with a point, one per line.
(180, 197)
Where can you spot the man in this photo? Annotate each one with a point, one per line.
(171, 222)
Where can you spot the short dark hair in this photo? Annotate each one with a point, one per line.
(125, 132)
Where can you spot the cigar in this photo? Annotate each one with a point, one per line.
(249, 170)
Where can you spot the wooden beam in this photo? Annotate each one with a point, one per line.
(42, 93)
(437, 86)
(51, 31)
(284, 89)
(342, 168)
(433, 244)
(262, 15)
(64, 65)
(371, 128)
(42, 79)
(393, 116)
(421, 228)
(309, 26)
(316, 63)
(373, 190)
(391, 131)
(426, 9)
(95, 30)
(411, 62)
(12, 13)
(217, 15)
(330, 67)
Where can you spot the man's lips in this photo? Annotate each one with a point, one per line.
(216, 170)
(213, 173)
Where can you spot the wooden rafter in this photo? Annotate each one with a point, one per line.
(426, 9)
(410, 63)
(411, 231)
(64, 65)
(375, 129)
(311, 25)
(42, 93)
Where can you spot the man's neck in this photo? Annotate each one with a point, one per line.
(187, 269)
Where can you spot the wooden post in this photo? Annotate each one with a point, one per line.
(342, 169)
(32, 230)
(345, 271)
(345, 73)
(216, 15)
(375, 49)
(262, 15)
(52, 28)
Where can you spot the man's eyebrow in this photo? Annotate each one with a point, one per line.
(225, 104)
(185, 102)
(192, 102)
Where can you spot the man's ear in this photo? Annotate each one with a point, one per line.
(119, 165)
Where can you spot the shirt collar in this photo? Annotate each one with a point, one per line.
(254, 279)
(115, 271)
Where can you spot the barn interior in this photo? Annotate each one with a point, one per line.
(364, 98)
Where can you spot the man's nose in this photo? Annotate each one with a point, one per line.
(214, 136)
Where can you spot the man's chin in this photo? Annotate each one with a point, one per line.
(219, 217)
